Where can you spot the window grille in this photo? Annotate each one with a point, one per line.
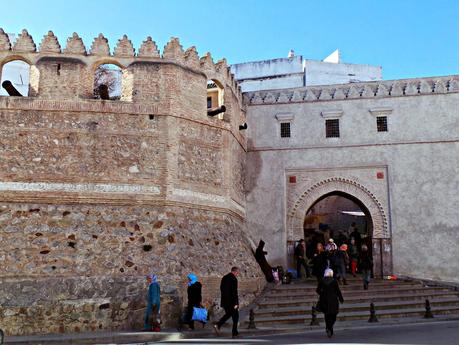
(285, 130)
(381, 123)
(332, 128)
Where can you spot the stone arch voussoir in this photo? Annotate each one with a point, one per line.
(296, 214)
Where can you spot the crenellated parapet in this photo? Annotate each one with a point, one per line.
(124, 55)
(353, 91)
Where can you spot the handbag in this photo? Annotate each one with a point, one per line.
(199, 314)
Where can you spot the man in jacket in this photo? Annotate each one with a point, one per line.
(301, 259)
(229, 301)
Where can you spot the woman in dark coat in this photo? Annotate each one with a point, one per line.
(329, 298)
(319, 262)
(194, 292)
(260, 257)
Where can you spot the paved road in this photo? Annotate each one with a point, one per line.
(436, 333)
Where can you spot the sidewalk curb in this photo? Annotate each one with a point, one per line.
(91, 338)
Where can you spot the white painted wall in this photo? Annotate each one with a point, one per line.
(297, 72)
(326, 73)
(420, 150)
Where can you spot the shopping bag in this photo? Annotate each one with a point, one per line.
(199, 314)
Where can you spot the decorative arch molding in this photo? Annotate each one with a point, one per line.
(296, 214)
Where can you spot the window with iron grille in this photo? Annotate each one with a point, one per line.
(209, 102)
(381, 123)
(285, 129)
(332, 128)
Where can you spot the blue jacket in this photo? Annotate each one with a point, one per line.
(154, 293)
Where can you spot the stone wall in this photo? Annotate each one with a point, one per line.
(95, 194)
(82, 267)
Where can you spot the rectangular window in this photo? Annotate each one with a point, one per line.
(381, 123)
(285, 129)
(332, 128)
(209, 102)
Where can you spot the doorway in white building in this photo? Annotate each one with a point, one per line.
(341, 217)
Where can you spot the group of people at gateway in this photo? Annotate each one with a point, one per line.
(346, 255)
(194, 310)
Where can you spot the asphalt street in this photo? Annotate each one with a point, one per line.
(436, 333)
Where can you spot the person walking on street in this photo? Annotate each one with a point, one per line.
(194, 292)
(342, 263)
(319, 262)
(329, 298)
(365, 266)
(229, 301)
(356, 235)
(353, 256)
(153, 304)
(301, 259)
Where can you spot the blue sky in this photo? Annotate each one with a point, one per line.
(407, 38)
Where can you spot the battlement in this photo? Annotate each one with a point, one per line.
(77, 64)
(363, 90)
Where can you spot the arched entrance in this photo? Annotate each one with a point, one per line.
(370, 205)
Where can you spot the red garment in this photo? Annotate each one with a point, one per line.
(353, 266)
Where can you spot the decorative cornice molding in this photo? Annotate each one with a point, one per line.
(380, 111)
(331, 114)
(285, 117)
(364, 90)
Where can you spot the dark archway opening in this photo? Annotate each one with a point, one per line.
(333, 216)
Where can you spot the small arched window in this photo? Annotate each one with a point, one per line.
(15, 79)
(107, 82)
(214, 94)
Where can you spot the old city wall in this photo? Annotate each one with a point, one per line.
(406, 177)
(94, 194)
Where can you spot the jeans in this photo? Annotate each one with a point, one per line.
(299, 263)
(233, 313)
(366, 274)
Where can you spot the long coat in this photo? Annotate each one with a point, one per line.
(153, 297)
(194, 294)
(329, 295)
(319, 264)
(228, 289)
(260, 256)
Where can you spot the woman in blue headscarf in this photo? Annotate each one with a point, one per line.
(194, 291)
(153, 304)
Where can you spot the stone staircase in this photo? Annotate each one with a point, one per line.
(290, 305)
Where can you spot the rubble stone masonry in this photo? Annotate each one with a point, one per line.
(95, 194)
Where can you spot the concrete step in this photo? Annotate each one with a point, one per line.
(351, 292)
(354, 307)
(420, 295)
(312, 285)
(357, 315)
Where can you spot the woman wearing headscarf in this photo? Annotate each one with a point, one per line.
(329, 298)
(194, 291)
(153, 304)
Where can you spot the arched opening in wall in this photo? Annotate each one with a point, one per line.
(15, 79)
(339, 216)
(108, 82)
(215, 98)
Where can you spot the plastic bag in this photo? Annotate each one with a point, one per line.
(199, 314)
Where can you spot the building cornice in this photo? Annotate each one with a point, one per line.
(353, 91)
